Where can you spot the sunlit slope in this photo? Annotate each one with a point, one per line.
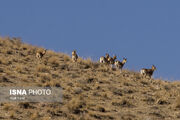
(90, 90)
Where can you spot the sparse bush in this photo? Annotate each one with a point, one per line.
(53, 84)
(86, 64)
(149, 100)
(157, 114)
(27, 58)
(5, 61)
(117, 92)
(162, 102)
(1, 70)
(25, 105)
(42, 68)
(55, 76)
(24, 47)
(66, 58)
(96, 65)
(4, 79)
(46, 84)
(63, 67)
(10, 52)
(7, 107)
(16, 40)
(72, 74)
(77, 90)
(102, 109)
(77, 105)
(51, 53)
(54, 61)
(177, 102)
(90, 80)
(144, 83)
(45, 77)
(88, 61)
(19, 68)
(167, 87)
(35, 116)
(12, 114)
(129, 116)
(123, 103)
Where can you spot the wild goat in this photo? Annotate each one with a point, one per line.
(104, 59)
(148, 72)
(74, 56)
(39, 55)
(119, 65)
(111, 60)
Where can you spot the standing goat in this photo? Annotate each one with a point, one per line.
(39, 55)
(148, 72)
(119, 65)
(74, 56)
(104, 59)
(111, 60)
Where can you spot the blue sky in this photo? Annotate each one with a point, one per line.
(146, 32)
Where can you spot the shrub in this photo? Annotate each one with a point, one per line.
(66, 58)
(54, 61)
(7, 107)
(177, 102)
(45, 77)
(42, 68)
(76, 105)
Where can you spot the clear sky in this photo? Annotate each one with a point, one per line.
(146, 32)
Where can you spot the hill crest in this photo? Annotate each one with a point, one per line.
(90, 90)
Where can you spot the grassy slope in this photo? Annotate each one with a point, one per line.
(90, 90)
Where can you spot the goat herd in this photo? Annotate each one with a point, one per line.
(108, 61)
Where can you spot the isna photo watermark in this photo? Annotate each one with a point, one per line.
(30, 94)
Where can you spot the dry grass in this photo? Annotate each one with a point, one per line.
(35, 116)
(42, 68)
(77, 105)
(5, 61)
(54, 61)
(7, 107)
(177, 102)
(91, 91)
(66, 58)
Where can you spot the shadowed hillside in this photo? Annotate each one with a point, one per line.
(91, 91)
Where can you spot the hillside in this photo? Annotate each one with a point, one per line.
(91, 91)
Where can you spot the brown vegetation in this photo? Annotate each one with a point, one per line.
(91, 91)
